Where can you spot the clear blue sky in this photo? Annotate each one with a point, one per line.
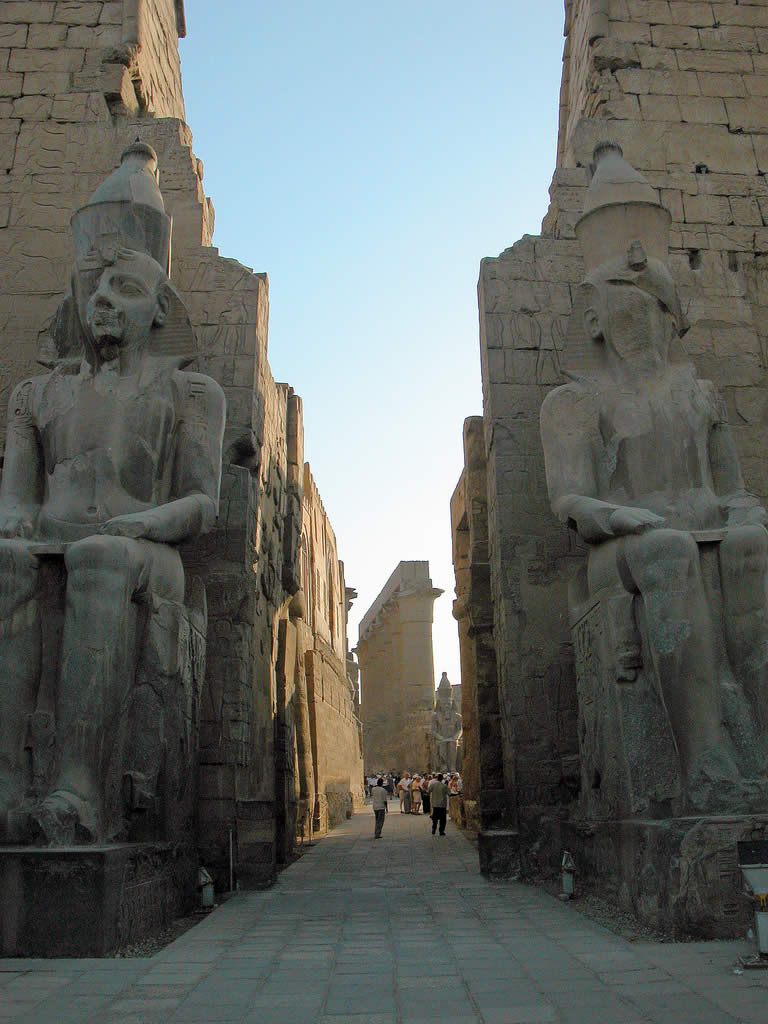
(367, 156)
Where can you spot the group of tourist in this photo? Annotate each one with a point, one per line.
(416, 793)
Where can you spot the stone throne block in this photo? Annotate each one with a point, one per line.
(149, 748)
(156, 752)
(636, 831)
(88, 900)
(629, 762)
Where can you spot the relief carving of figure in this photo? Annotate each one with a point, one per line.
(640, 461)
(112, 459)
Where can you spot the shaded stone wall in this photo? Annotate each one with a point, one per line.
(79, 81)
(335, 728)
(397, 673)
(338, 757)
(681, 86)
(487, 803)
(322, 574)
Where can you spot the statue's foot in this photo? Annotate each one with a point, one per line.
(63, 819)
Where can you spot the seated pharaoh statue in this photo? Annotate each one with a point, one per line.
(112, 460)
(641, 463)
(445, 727)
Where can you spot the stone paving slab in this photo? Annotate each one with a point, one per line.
(397, 931)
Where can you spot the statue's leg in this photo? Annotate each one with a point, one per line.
(744, 572)
(20, 647)
(109, 580)
(664, 567)
(606, 571)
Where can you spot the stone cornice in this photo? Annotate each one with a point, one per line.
(410, 588)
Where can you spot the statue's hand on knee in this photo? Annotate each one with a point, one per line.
(626, 521)
(16, 522)
(134, 525)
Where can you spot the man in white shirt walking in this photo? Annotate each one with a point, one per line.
(404, 789)
(379, 803)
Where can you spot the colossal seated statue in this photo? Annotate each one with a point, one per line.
(112, 459)
(640, 462)
(445, 728)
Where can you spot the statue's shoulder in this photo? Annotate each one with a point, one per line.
(581, 394)
(198, 389)
(26, 394)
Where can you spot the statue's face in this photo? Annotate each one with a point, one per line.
(633, 323)
(120, 303)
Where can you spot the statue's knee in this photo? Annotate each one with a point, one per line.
(744, 549)
(661, 558)
(102, 556)
(673, 544)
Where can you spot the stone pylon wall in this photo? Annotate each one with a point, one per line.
(335, 729)
(682, 87)
(79, 81)
(397, 671)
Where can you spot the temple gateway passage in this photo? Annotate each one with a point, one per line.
(177, 688)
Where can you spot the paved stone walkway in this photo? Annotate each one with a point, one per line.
(397, 931)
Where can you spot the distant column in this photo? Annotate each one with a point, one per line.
(397, 670)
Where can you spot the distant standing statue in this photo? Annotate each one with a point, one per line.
(112, 459)
(446, 727)
(641, 463)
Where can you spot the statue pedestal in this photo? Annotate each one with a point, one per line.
(499, 852)
(679, 875)
(89, 900)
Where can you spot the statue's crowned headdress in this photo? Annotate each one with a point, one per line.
(620, 209)
(126, 212)
(624, 238)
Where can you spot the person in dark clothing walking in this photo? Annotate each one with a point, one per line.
(425, 806)
(438, 796)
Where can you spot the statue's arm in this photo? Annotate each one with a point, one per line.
(569, 431)
(21, 490)
(194, 504)
(739, 505)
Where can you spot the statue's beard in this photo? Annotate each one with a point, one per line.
(106, 327)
